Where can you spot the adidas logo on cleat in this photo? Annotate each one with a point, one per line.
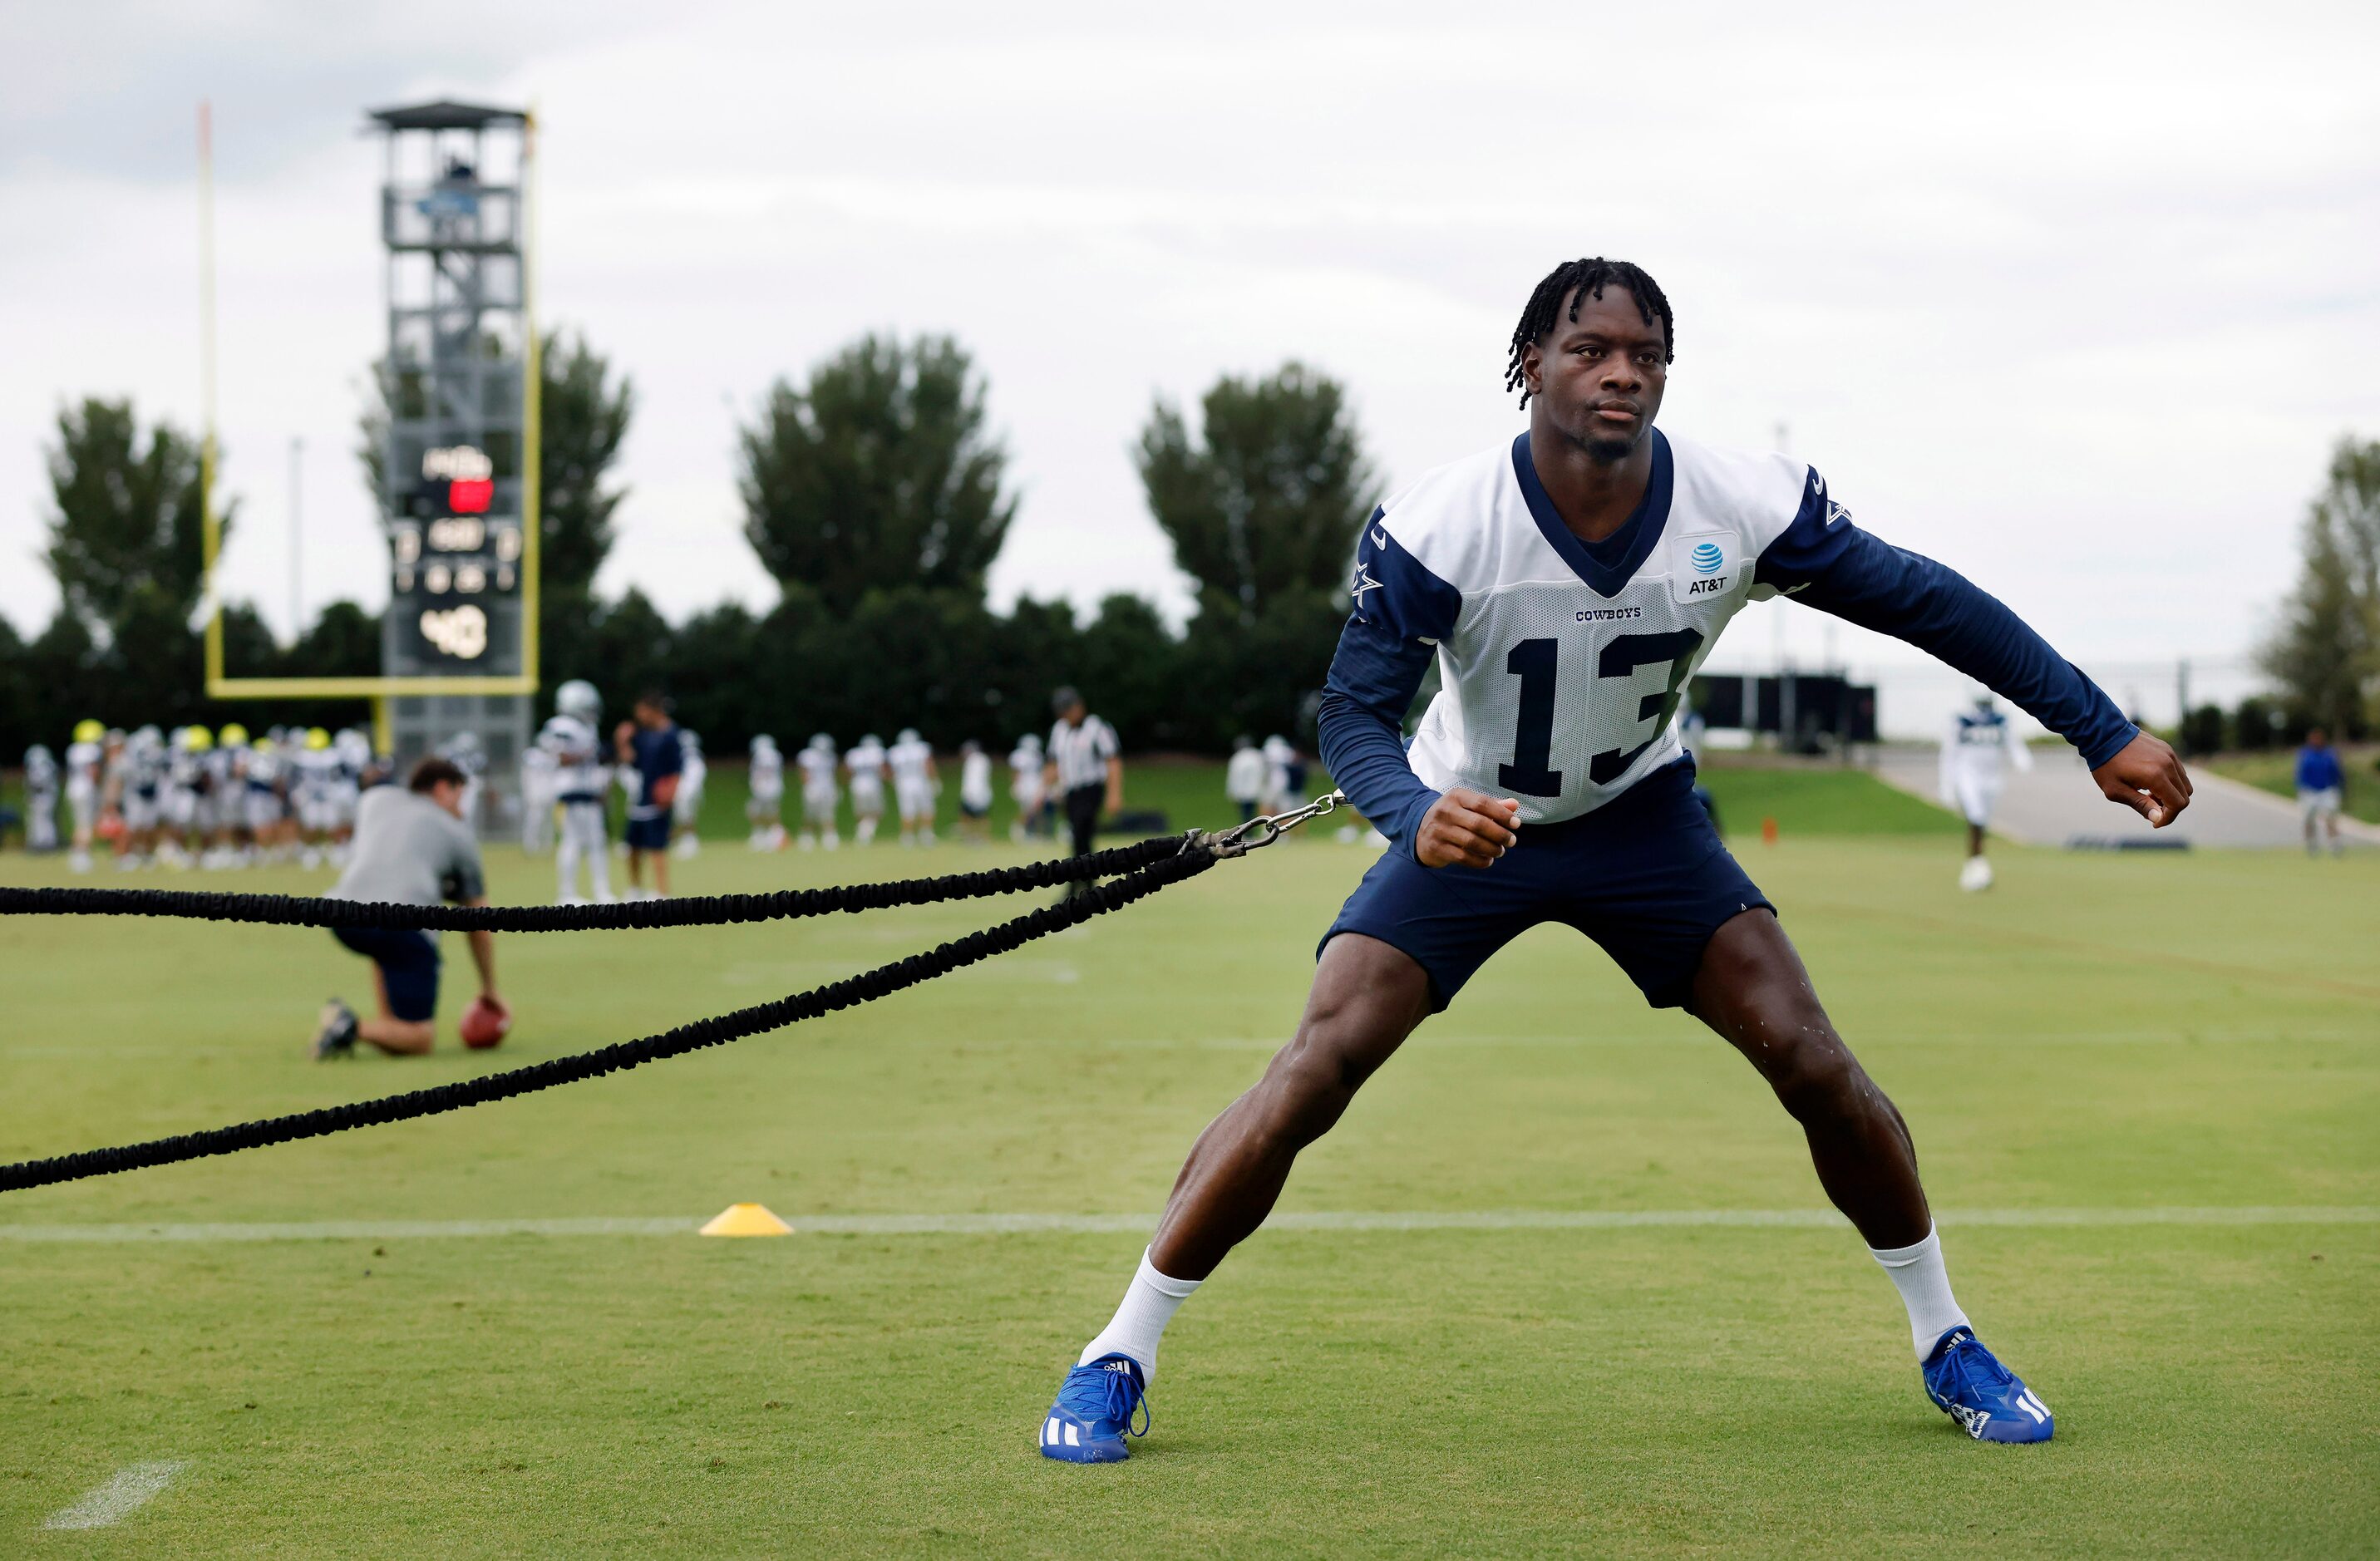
(1055, 1433)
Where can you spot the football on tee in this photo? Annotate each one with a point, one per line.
(485, 1023)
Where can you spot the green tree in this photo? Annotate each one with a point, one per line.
(879, 473)
(19, 712)
(583, 419)
(2325, 652)
(1265, 503)
(124, 533)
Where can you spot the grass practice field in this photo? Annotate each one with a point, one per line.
(1562, 1283)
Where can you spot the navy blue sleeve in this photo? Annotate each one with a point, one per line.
(1825, 561)
(1402, 609)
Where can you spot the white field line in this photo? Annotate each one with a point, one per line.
(1103, 1224)
(130, 1488)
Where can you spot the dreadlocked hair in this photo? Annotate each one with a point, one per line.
(1586, 278)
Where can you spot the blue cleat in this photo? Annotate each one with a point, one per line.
(1096, 1406)
(1990, 1402)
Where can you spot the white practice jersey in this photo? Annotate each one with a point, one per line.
(354, 750)
(318, 774)
(40, 771)
(82, 765)
(909, 761)
(144, 770)
(225, 767)
(539, 769)
(975, 781)
(1979, 744)
(818, 772)
(1243, 778)
(187, 771)
(866, 761)
(1560, 673)
(769, 773)
(1026, 768)
(581, 773)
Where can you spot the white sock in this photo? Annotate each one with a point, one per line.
(1148, 1304)
(1924, 1285)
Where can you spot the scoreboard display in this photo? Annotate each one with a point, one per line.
(454, 580)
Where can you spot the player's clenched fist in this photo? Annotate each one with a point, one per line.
(1468, 826)
(2147, 777)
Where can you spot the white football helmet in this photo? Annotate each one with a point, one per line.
(577, 697)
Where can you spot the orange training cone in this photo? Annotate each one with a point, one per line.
(746, 1220)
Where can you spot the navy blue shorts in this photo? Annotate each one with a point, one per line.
(1644, 875)
(409, 966)
(650, 834)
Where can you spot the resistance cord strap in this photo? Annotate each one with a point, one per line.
(1153, 865)
(718, 910)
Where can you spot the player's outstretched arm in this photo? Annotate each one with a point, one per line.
(1467, 828)
(2148, 778)
(1825, 561)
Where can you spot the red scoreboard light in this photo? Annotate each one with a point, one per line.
(468, 476)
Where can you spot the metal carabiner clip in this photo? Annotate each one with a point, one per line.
(1263, 830)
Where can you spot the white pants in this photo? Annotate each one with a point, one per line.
(2323, 804)
(582, 836)
(916, 800)
(1977, 797)
(41, 821)
(867, 797)
(82, 802)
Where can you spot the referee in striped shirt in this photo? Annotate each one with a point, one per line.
(1084, 769)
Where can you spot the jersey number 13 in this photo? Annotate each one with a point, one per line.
(1533, 661)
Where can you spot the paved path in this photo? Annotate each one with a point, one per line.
(2055, 802)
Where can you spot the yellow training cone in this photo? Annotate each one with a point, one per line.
(746, 1220)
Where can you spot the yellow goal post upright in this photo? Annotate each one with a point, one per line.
(382, 689)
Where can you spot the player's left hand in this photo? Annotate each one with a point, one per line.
(2146, 777)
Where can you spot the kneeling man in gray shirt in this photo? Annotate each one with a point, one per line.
(411, 848)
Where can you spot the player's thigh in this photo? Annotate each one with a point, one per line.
(1753, 989)
(1366, 998)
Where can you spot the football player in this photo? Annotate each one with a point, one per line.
(821, 792)
(1981, 745)
(581, 778)
(915, 784)
(1564, 586)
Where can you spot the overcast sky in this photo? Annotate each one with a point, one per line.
(2075, 299)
